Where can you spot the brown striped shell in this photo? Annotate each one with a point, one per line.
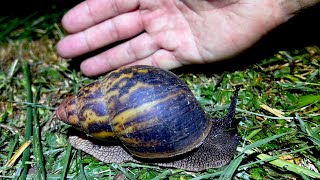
(154, 115)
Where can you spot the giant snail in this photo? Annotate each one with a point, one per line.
(147, 114)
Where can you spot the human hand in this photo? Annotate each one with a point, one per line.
(167, 33)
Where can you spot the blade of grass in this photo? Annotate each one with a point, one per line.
(265, 116)
(253, 133)
(66, 162)
(34, 105)
(305, 177)
(207, 176)
(219, 108)
(12, 69)
(37, 146)
(163, 175)
(82, 175)
(60, 32)
(231, 168)
(17, 154)
(15, 142)
(274, 157)
(135, 165)
(28, 124)
(289, 166)
(263, 141)
(69, 147)
(11, 158)
(166, 173)
(122, 170)
(14, 24)
(4, 117)
(75, 82)
(308, 131)
(301, 123)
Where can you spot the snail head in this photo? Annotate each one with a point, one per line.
(66, 112)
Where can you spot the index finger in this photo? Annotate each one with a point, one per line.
(91, 12)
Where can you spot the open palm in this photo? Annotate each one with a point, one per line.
(165, 33)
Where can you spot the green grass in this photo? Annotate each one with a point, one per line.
(288, 81)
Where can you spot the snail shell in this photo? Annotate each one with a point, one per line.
(154, 115)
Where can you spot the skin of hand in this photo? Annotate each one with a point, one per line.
(168, 33)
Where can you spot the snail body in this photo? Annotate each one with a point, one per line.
(154, 115)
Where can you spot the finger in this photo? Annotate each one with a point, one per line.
(91, 12)
(162, 58)
(115, 29)
(128, 52)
